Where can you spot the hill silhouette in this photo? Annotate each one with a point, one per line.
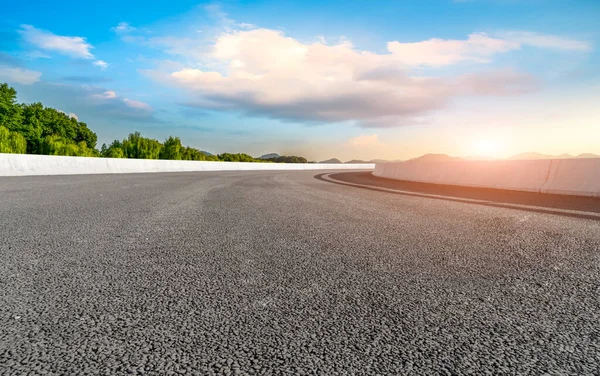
(535, 155)
(332, 160)
(435, 158)
(269, 156)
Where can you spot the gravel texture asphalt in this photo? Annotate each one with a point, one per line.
(282, 273)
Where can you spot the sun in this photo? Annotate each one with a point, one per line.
(487, 147)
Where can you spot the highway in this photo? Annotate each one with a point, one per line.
(269, 273)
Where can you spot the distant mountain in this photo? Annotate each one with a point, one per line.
(588, 155)
(206, 153)
(269, 156)
(448, 158)
(385, 161)
(287, 159)
(332, 160)
(436, 158)
(357, 161)
(534, 155)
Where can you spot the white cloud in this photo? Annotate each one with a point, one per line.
(108, 94)
(496, 82)
(137, 104)
(364, 140)
(70, 114)
(122, 28)
(546, 41)
(38, 55)
(100, 63)
(19, 75)
(76, 47)
(243, 25)
(264, 72)
(478, 47)
(70, 46)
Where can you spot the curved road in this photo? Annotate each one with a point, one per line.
(284, 273)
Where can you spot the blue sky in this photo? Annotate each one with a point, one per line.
(348, 79)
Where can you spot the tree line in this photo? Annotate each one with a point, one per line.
(35, 129)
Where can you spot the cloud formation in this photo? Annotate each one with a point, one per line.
(19, 75)
(100, 63)
(98, 106)
(76, 47)
(122, 28)
(137, 104)
(86, 79)
(70, 46)
(110, 96)
(264, 72)
(546, 41)
(70, 114)
(478, 47)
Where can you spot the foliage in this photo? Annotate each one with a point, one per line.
(12, 142)
(191, 154)
(171, 149)
(136, 146)
(57, 145)
(39, 122)
(115, 150)
(35, 129)
(288, 159)
(239, 157)
(10, 111)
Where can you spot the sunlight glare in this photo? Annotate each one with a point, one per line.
(487, 147)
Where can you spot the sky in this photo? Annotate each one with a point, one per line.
(345, 79)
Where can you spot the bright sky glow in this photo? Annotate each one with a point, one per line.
(347, 79)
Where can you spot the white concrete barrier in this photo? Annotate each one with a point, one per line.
(579, 177)
(561, 176)
(28, 164)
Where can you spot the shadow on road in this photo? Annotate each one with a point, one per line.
(535, 202)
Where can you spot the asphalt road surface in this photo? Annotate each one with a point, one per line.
(284, 273)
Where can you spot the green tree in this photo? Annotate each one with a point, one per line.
(35, 129)
(12, 142)
(288, 159)
(115, 153)
(39, 122)
(10, 111)
(239, 157)
(136, 146)
(57, 145)
(171, 149)
(32, 126)
(114, 150)
(86, 134)
(191, 154)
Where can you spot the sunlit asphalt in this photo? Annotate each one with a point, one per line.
(285, 273)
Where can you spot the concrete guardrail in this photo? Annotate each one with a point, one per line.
(27, 164)
(579, 177)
